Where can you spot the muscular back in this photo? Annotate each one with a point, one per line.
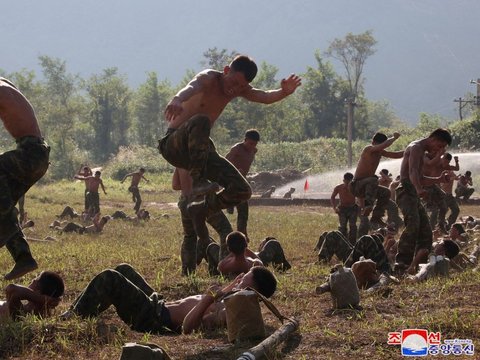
(368, 163)
(16, 112)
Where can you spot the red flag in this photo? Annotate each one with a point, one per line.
(306, 186)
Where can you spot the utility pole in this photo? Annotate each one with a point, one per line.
(461, 105)
(476, 99)
(350, 103)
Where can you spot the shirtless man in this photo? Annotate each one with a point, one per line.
(95, 228)
(133, 188)
(93, 183)
(385, 178)
(365, 183)
(85, 171)
(42, 295)
(240, 259)
(145, 311)
(347, 210)
(436, 197)
(464, 186)
(417, 234)
(19, 170)
(450, 200)
(194, 245)
(187, 144)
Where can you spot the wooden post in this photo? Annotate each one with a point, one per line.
(350, 103)
(267, 345)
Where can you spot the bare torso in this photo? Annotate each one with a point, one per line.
(448, 186)
(210, 102)
(93, 183)
(16, 112)
(136, 177)
(368, 163)
(346, 197)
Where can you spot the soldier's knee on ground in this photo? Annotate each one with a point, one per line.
(213, 253)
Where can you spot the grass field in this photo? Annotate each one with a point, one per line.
(449, 306)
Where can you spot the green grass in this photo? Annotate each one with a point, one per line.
(449, 306)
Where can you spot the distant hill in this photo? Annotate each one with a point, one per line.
(426, 54)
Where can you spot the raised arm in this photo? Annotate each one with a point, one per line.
(195, 86)
(194, 318)
(38, 303)
(287, 87)
(385, 144)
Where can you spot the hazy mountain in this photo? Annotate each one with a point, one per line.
(427, 50)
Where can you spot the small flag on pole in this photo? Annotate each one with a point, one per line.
(306, 186)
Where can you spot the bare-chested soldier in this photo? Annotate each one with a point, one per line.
(19, 170)
(417, 234)
(436, 197)
(450, 200)
(144, 310)
(85, 171)
(93, 183)
(365, 183)
(187, 144)
(347, 210)
(133, 188)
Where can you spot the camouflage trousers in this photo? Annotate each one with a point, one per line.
(136, 198)
(348, 215)
(370, 247)
(190, 147)
(242, 217)
(465, 192)
(193, 249)
(369, 189)
(93, 202)
(135, 301)
(87, 204)
(333, 243)
(417, 233)
(19, 170)
(452, 204)
(436, 204)
(272, 254)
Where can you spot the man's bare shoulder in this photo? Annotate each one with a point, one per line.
(208, 76)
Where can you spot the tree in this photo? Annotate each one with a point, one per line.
(109, 102)
(352, 52)
(217, 59)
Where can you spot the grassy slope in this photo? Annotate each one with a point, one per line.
(153, 248)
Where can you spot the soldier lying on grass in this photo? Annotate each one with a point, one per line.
(144, 310)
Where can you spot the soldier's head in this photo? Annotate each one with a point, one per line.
(456, 230)
(261, 279)
(142, 170)
(238, 75)
(347, 177)
(438, 139)
(98, 173)
(446, 158)
(252, 137)
(236, 242)
(379, 138)
(48, 283)
(448, 248)
(468, 173)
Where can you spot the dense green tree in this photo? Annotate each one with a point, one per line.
(109, 97)
(217, 59)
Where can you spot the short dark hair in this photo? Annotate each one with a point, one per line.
(442, 135)
(98, 172)
(246, 66)
(384, 171)
(379, 138)
(459, 227)
(236, 242)
(468, 173)
(51, 284)
(448, 156)
(265, 281)
(348, 176)
(252, 134)
(142, 169)
(451, 248)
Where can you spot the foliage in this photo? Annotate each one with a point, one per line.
(466, 133)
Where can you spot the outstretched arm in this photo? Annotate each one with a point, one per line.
(38, 303)
(128, 175)
(385, 144)
(287, 87)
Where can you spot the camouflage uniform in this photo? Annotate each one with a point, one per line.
(370, 247)
(464, 191)
(19, 170)
(134, 300)
(334, 243)
(189, 147)
(272, 253)
(437, 205)
(73, 227)
(242, 217)
(192, 250)
(94, 201)
(137, 199)
(454, 209)
(417, 233)
(364, 226)
(348, 214)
